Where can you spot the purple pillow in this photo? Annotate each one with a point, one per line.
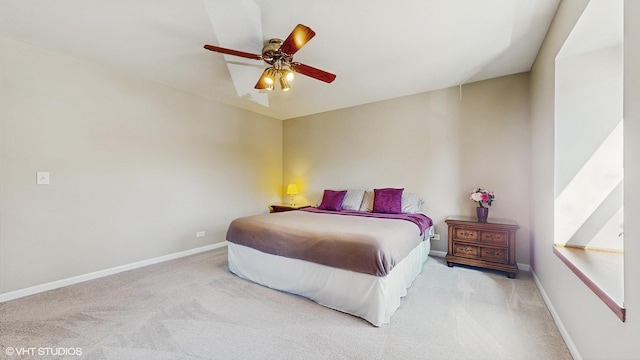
(387, 200)
(332, 200)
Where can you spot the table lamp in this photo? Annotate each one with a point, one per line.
(292, 190)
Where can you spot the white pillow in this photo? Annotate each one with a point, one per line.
(411, 203)
(367, 202)
(352, 200)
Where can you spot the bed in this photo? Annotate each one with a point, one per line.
(357, 262)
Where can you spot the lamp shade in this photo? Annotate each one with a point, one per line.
(292, 189)
(284, 84)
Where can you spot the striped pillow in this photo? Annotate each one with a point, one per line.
(352, 200)
(411, 203)
(367, 202)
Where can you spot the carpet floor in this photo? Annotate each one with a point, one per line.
(194, 308)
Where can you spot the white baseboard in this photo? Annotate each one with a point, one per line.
(102, 273)
(563, 331)
(437, 253)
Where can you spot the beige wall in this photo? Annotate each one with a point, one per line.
(136, 168)
(435, 144)
(594, 331)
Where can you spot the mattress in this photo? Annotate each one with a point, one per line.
(351, 240)
(321, 256)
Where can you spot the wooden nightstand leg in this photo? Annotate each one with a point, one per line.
(449, 264)
(511, 275)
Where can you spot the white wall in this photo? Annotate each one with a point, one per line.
(588, 107)
(434, 144)
(136, 168)
(588, 136)
(628, 336)
(594, 331)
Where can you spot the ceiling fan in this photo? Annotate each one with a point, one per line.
(279, 54)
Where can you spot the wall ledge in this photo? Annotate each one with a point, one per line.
(588, 276)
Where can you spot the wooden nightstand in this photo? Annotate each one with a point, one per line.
(285, 207)
(489, 245)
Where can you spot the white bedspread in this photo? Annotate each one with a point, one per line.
(370, 297)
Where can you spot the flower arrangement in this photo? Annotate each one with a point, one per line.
(482, 196)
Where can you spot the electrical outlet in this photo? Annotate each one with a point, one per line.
(200, 234)
(435, 237)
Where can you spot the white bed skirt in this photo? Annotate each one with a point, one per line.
(370, 297)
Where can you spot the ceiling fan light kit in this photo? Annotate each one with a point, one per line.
(279, 54)
(279, 71)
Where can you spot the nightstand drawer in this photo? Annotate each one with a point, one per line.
(494, 238)
(466, 250)
(465, 234)
(491, 254)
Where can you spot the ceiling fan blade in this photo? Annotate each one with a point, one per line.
(233, 52)
(313, 72)
(297, 39)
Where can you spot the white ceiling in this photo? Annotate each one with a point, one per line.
(379, 49)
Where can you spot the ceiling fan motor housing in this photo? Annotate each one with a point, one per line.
(271, 52)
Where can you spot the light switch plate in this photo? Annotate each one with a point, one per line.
(42, 178)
